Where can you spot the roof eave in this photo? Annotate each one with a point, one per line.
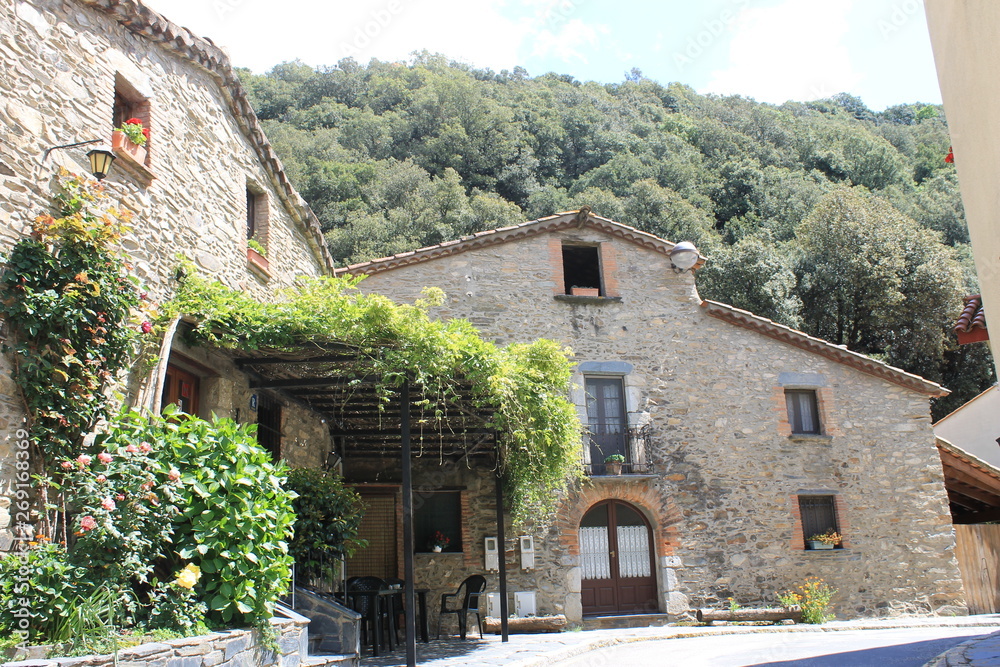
(804, 341)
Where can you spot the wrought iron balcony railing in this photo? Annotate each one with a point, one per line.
(630, 442)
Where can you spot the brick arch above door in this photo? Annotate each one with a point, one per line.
(661, 513)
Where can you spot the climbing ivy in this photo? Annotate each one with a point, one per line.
(73, 311)
(525, 384)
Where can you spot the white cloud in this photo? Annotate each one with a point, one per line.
(572, 41)
(259, 34)
(790, 51)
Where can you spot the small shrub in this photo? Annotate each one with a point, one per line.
(813, 597)
(175, 605)
(327, 517)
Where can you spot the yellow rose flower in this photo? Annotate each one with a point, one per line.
(189, 576)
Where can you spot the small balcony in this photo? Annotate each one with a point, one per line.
(630, 442)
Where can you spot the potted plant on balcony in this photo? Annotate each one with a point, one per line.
(257, 254)
(827, 540)
(613, 464)
(130, 139)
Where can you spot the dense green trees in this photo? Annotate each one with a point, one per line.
(393, 156)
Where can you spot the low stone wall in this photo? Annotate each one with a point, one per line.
(231, 648)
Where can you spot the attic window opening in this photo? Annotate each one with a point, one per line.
(582, 270)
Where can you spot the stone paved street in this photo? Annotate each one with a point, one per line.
(545, 649)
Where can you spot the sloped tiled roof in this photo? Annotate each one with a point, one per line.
(143, 21)
(559, 221)
(823, 348)
(971, 324)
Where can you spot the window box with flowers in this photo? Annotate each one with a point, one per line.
(828, 540)
(130, 142)
(257, 257)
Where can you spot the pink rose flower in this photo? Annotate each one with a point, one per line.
(120, 497)
(88, 523)
(102, 478)
(67, 465)
(174, 474)
(131, 449)
(104, 457)
(145, 447)
(108, 504)
(147, 327)
(83, 460)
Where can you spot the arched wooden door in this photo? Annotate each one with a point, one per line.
(616, 554)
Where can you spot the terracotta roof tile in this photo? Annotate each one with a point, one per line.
(971, 324)
(141, 20)
(824, 348)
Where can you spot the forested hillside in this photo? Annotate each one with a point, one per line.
(825, 216)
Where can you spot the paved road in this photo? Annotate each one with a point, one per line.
(908, 647)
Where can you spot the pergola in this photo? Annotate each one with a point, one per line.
(368, 421)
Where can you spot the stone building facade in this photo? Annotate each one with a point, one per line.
(722, 478)
(71, 70)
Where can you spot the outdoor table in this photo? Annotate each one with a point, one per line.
(381, 600)
(421, 607)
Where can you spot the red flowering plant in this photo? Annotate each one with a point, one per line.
(136, 133)
(439, 540)
(123, 501)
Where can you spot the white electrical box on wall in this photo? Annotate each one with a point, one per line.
(527, 552)
(492, 555)
(493, 605)
(524, 604)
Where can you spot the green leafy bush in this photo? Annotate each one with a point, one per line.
(235, 517)
(327, 517)
(38, 589)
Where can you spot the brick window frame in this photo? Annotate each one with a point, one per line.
(607, 267)
(257, 225)
(825, 407)
(799, 538)
(128, 103)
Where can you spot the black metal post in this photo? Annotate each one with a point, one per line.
(502, 557)
(411, 604)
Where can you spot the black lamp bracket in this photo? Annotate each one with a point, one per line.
(79, 143)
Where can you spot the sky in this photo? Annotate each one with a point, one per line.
(770, 50)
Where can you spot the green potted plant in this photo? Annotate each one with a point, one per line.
(130, 139)
(827, 540)
(257, 254)
(613, 464)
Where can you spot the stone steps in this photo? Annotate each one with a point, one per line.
(629, 621)
(330, 661)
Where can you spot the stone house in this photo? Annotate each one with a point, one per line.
(72, 70)
(741, 438)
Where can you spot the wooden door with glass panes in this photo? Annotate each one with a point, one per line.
(616, 552)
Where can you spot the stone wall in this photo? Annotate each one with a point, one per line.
(726, 475)
(62, 62)
(230, 648)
